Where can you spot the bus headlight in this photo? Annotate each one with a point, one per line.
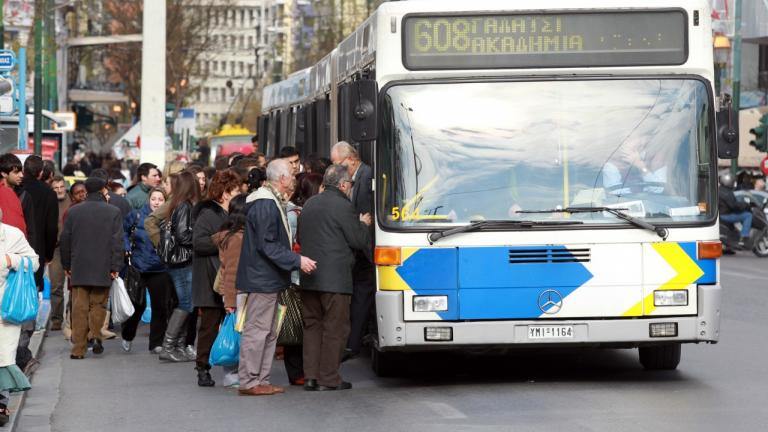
(430, 303)
(670, 298)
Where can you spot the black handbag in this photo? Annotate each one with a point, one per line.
(134, 285)
(292, 331)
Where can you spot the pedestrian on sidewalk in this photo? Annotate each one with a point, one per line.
(230, 243)
(55, 272)
(330, 232)
(13, 248)
(147, 177)
(266, 262)
(180, 334)
(91, 255)
(307, 186)
(208, 217)
(153, 275)
(364, 272)
(46, 228)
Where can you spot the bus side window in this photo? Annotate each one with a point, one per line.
(300, 130)
(322, 135)
(263, 132)
(274, 134)
(285, 118)
(345, 111)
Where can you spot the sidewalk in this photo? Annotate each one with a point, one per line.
(18, 399)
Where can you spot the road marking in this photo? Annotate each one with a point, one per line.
(445, 411)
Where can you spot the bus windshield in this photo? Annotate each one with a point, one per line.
(455, 153)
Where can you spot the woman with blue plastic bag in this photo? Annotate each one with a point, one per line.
(14, 249)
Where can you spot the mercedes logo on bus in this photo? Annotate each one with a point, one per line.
(550, 302)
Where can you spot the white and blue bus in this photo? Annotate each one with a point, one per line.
(545, 175)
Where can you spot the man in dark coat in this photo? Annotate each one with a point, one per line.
(44, 222)
(113, 198)
(46, 214)
(91, 255)
(363, 272)
(330, 231)
(266, 262)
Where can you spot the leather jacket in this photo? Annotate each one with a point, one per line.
(181, 226)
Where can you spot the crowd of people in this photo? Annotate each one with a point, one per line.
(247, 236)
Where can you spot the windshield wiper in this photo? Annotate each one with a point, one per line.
(483, 224)
(660, 231)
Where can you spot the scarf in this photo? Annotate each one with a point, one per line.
(268, 192)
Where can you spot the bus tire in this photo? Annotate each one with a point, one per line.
(385, 364)
(660, 357)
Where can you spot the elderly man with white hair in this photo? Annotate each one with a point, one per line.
(266, 262)
(363, 273)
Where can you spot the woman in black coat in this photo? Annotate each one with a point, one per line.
(208, 218)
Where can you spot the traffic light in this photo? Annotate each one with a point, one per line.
(761, 135)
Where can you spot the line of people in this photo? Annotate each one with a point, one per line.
(239, 239)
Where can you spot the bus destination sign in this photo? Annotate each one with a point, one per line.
(571, 39)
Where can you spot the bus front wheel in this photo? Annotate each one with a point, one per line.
(660, 357)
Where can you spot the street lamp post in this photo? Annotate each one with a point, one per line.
(38, 131)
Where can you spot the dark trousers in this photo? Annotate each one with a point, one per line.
(326, 329)
(363, 296)
(210, 320)
(160, 287)
(293, 358)
(56, 273)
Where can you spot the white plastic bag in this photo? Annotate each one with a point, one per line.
(122, 308)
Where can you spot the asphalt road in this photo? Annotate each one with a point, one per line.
(722, 387)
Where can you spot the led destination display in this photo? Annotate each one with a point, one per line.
(631, 38)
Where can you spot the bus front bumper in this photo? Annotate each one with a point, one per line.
(394, 333)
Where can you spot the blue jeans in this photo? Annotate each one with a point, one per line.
(744, 217)
(182, 281)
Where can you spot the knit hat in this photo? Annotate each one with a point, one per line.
(94, 184)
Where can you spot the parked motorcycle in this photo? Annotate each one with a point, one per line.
(730, 233)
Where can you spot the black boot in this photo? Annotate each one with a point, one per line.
(175, 324)
(204, 377)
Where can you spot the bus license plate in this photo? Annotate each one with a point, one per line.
(550, 332)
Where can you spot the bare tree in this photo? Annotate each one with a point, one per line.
(188, 42)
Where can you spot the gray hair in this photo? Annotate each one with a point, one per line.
(345, 150)
(334, 175)
(278, 168)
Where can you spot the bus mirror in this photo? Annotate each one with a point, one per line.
(363, 96)
(727, 122)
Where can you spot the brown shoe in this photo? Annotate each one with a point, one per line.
(277, 389)
(259, 390)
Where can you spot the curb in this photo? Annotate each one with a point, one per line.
(17, 400)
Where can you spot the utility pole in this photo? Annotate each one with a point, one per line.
(153, 82)
(38, 132)
(736, 70)
(2, 24)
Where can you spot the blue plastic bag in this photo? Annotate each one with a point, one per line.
(20, 298)
(147, 315)
(226, 347)
(46, 288)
